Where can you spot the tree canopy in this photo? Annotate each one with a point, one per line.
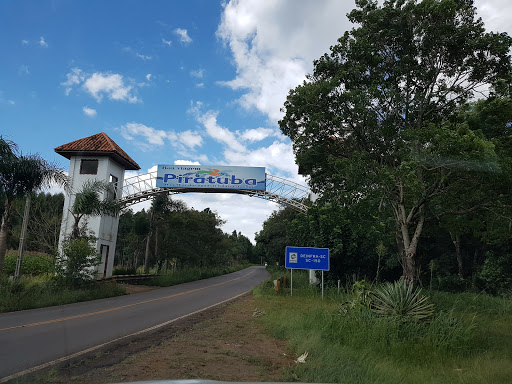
(382, 120)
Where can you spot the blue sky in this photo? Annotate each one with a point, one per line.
(196, 81)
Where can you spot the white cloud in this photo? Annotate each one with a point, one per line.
(257, 134)
(153, 136)
(166, 42)
(148, 76)
(200, 85)
(272, 53)
(74, 77)
(492, 11)
(191, 139)
(24, 42)
(186, 162)
(143, 57)
(278, 157)
(218, 133)
(100, 84)
(89, 111)
(149, 137)
(42, 42)
(183, 34)
(110, 84)
(197, 74)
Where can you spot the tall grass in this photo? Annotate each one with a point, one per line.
(468, 340)
(190, 274)
(45, 291)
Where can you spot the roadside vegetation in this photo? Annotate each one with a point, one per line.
(191, 274)
(465, 337)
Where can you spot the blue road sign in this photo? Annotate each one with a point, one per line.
(307, 258)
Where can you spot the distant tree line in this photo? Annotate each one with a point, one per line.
(167, 236)
(170, 235)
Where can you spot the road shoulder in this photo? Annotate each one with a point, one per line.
(223, 343)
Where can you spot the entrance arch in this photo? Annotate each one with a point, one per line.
(98, 157)
(285, 192)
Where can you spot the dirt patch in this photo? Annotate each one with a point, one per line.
(224, 343)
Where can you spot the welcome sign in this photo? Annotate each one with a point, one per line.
(211, 177)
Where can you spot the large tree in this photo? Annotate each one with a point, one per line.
(376, 120)
(21, 175)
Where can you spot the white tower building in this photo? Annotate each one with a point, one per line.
(96, 157)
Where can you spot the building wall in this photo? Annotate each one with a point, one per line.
(105, 227)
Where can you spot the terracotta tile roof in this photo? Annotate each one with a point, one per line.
(98, 144)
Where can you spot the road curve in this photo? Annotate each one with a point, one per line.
(34, 337)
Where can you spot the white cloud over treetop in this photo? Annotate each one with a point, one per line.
(272, 52)
(98, 85)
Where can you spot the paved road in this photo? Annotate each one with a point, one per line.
(34, 337)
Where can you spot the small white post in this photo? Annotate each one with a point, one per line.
(291, 282)
(322, 284)
(338, 286)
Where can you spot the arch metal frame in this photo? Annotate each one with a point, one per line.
(143, 187)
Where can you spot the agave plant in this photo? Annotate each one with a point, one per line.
(402, 301)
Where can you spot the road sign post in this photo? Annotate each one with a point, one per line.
(307, 258)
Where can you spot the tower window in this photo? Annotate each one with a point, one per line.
(89, 167)
(112, 194)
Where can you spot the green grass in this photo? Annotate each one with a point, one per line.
(469, 340)
(190, 274)
(43, 291)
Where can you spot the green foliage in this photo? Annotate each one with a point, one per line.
(496, 274)
(44, 291)
(274, 236)
(171, 236)
(77, 261)
(191, 274)
(360, 299)
(33, 263)
(123, 271)
(382, 127)
(21, 175)
(401, 301)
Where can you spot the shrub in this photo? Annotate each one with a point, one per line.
(33, 263)
(401, 301)
(78, 259)
(496, 274)
(124, 271)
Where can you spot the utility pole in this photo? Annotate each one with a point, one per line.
(22, 238)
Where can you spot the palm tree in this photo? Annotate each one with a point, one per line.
(88, 202)
(21, 175)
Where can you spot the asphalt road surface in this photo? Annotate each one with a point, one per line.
(31, 338)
